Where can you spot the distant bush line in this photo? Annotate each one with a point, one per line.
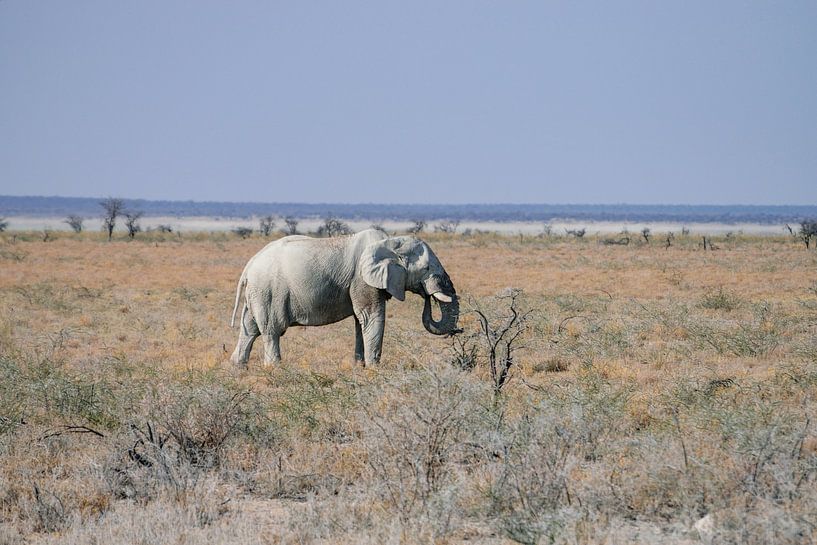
(65, 206)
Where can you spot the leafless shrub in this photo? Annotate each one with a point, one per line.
(449, 226)
(113, 209)
(379, 227)
(164, 228)
(75, 223)
(417, 226)
(645, 233)
(532, 482)
(150, 466)
(500, 333)
(808, 230)
(547, 230)
(291, 226)
(49, 509)
(266, 225)
(333, 227)
(184, 435)
(464, 351)
(576, 233)
(243, 232)
(132, 222)
(46, 235)
(417, 431)
(200, 421)
(3, 224)
(669, 239)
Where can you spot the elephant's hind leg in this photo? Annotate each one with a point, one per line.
(272, 348)
(248, 332)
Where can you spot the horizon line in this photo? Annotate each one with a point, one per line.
(370, 203)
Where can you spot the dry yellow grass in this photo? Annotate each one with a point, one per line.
(649, 338)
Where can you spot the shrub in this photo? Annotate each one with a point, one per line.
(266, 225)
(243, 232)
(720, 300)
(75, 223)
(417, 430)
(333, 227)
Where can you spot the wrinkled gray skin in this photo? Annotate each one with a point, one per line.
(299, 280)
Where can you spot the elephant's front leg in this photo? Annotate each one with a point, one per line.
(359, 347)
(372, 324)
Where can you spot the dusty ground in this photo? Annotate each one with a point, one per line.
(653, 386)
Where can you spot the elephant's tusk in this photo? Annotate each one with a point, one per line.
(440, 296)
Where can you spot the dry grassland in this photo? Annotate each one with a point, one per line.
(653, 388)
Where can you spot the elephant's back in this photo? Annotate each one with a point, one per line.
(304, 280)
(301, 264)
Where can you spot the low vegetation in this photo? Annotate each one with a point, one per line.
(650, 394)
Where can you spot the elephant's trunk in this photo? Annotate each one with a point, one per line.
(448, 321)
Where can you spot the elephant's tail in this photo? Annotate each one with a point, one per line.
(241, 283)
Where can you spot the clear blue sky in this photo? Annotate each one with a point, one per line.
(411, 102)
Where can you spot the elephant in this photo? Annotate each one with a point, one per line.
(300, 280)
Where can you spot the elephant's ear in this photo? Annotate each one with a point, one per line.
(380, 267)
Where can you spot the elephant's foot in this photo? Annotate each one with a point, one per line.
(271, 361)
(238, 361)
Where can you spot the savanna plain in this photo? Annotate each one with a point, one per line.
(655, 395)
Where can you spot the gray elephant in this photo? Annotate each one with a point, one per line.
(299, 280)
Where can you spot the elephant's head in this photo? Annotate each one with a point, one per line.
(401, 264)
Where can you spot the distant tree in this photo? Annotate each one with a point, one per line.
(379, 227)
(132, 222)
(808, 230)
(75, 222)
(645, 232)
(164, 228)
(417, 227)
(3, 224)
(708, 242)
(578, 233)
(113, 209)
(333, 227)
(266, 225)
(547, 230)
(447, 226)
(243, 232)
(291, 226)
